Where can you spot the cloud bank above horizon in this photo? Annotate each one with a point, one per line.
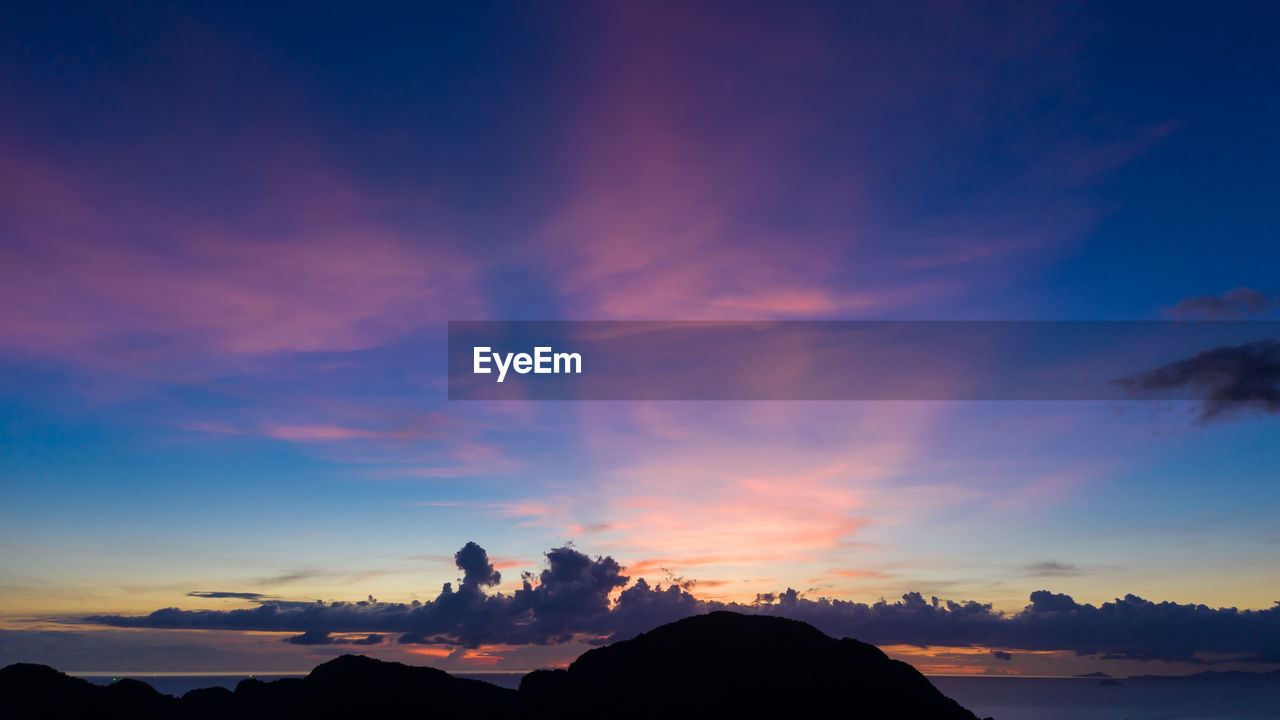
(574, 598)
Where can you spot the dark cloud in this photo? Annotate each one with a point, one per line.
(571, 598)
(224, 594)
(1130, 627)
(571, 594)
(1001, 655)
(322, 637)
(311, 637)
(1229, 378)
(641, 608)
(476, 568)
(1239, 304)
(1043, 601)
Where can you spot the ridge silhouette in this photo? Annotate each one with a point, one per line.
(720, 664)
(729, 664)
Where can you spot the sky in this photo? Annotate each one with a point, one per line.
(231, 237)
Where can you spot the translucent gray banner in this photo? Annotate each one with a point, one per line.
(1216, 362)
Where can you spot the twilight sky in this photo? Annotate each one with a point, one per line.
(231, 237)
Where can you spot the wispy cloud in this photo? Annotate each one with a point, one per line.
(1051, 568)
(1239, 304)
(326, 274)
(226, 595)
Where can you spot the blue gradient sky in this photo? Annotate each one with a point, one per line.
(230, 238)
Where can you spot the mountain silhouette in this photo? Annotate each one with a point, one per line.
(39, 691)
(731, 665)
(720, 664)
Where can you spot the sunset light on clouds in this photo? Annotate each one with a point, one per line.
(231, 239)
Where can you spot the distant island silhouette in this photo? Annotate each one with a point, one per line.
(721, 664)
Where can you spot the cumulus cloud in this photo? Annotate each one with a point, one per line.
(571, 598)
(1239, 304)
(476, 568)
(1230, 378)
(572, 592)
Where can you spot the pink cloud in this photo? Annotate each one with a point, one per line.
(657, 565)
(97, 269)
(383, 425)
(316, 433)
(698, 188)
(458, 458)
(694, 491)
(666, 214)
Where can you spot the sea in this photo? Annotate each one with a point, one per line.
(1214, 697)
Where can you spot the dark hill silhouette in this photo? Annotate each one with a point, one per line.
(721, 664)
(355, 686)
(39, 692)
(729, 665)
